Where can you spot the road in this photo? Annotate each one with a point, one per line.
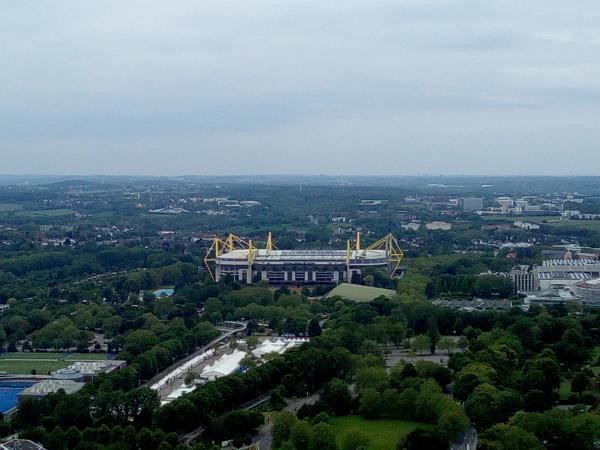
(467, 441)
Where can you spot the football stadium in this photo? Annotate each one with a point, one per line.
(241, 260)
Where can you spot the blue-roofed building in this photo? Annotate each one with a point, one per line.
(163, 293)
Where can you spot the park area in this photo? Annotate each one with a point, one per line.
(382, 434)
(22, 363)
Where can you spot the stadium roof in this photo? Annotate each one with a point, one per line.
(302, 255)
(359, 293)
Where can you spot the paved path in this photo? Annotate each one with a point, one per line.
(264, 438)
(467, 441)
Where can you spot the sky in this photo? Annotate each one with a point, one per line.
(377, 87)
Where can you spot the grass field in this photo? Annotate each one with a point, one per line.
(8, 207)
(22, 363)
(552, 221)
(564, 391)
(593, 225)
(46, 213)
(382, 434)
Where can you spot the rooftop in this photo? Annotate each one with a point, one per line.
(571, 262)
(51, 386)
(20, 444)
(595, 283)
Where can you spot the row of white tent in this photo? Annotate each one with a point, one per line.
(182, 370)
(279, 346)
(225, 365)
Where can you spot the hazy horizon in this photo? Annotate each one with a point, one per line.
(384, 88)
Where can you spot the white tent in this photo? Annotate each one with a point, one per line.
(225, 365)
(183, 369)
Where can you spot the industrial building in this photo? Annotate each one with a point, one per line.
(560, 273)
(242, 261)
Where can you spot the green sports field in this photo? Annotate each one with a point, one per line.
(9, 207)
(382, 434)
(46, 213)
(24, 362)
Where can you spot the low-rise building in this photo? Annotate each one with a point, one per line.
(87, 370)
(46, 387)
(526, 225)
(438, 226)
(477, 304)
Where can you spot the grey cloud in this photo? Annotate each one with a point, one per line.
(443, 86)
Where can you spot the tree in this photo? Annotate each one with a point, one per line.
(322, 438)
(451, 422)
(314, 329)
(447, 343)
(463, 343)
(372, 377)
(571, 347)
(488, 286)
(397, 333)
(405, 409)
(139, 341)
(464, 384)
(580, 383)
(535, 400)
(479, 406)
(507, 437)
(301, 436)
(371, 405)
(337, 395)
(433, 333)
(420, 439)
(420, 343)
(283, 423)
(190, 377)
(428, 369)
(355, 440)
(252, 342)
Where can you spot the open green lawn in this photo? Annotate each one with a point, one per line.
(46, 213)
(24, 362)
(22, 367)
(8, 207)
(552, 221)
(382, 434)
(593, 225)
(564, 391)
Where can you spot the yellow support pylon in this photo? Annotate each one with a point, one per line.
(269, 241)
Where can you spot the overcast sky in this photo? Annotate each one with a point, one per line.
(300, 87)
